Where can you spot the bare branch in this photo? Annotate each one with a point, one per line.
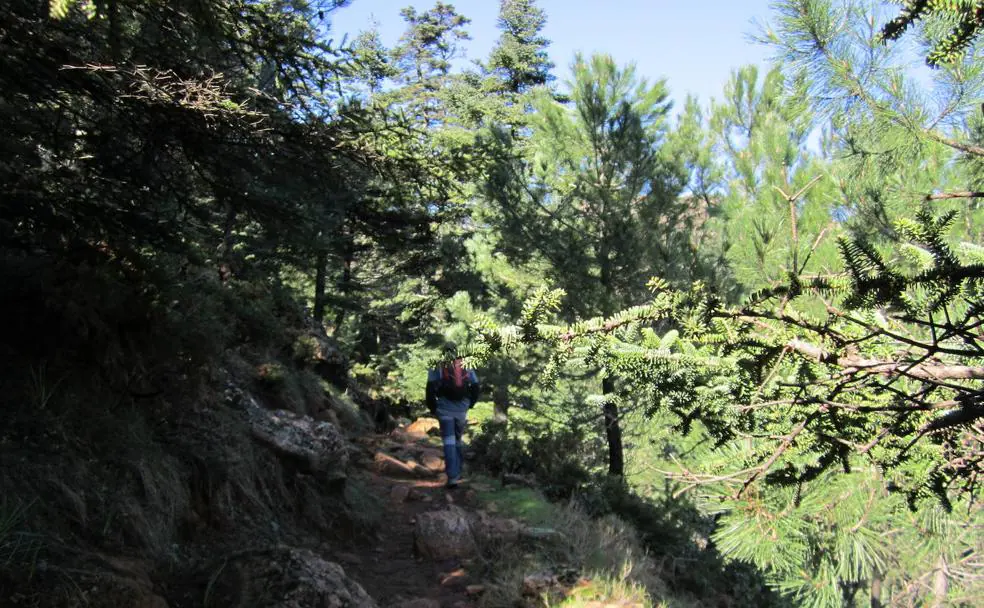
(943, 196)
(924, 371)
(788, 441)
(956, 145)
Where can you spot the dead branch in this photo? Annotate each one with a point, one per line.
(944, 196)
(856, 363)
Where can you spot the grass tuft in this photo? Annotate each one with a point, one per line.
(597, 562)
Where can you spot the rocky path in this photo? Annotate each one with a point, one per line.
(404, 471)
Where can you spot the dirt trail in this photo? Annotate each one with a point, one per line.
(388, 568)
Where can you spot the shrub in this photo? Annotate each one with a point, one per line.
(271, 375)
(556, 457)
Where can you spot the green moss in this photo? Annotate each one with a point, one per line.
(271, 375)
(304, 348)
(520, 503)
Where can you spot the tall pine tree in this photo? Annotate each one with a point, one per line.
(597, 199)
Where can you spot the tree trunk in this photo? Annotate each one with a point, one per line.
(876, 588)
(225, 258)
(320, 279)
(500, 403)
(344, 288)
(114, 31)
(613, 432)
(613, 429)
(941, 583)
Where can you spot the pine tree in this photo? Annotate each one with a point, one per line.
(960, 21)
(776, 205)
(831, 405)
(598, 198)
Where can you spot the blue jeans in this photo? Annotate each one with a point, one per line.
(452, 428)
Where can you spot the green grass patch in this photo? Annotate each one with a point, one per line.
(519, 503)
(608, 590)
(609, 565)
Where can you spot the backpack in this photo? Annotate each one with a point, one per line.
(455, 382)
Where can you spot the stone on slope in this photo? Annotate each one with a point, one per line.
(287, 577)
(446, 534)
(315, 446)
(489, 530)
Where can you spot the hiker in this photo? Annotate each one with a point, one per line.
(451, 391)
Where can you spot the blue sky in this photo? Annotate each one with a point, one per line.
(693, 44)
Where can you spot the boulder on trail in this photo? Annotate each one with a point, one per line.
(420, 602)
(489, 530)
(388, 465)
(457, 533)
(286, 577)
(316, 447)
(432, 460)
(447, 534)
(422, 427)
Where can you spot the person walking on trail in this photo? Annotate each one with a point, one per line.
(452, 390)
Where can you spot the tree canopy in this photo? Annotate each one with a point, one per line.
(767, 306)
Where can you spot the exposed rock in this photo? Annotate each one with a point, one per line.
(475, 589)
(432, 460)
(313, 347)
(535, 584)
(387, 465)
(421, 427)
(287, 577)
(457, 578)
(399, 494)
(489, 530)
(444, 534)
(554, 581)
(421, 602)
(315, 447)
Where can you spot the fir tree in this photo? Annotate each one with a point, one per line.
(425, 54)
(519, 59)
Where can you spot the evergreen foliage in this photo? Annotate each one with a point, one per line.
(863, 368)
(774, 342)
(962, 20)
